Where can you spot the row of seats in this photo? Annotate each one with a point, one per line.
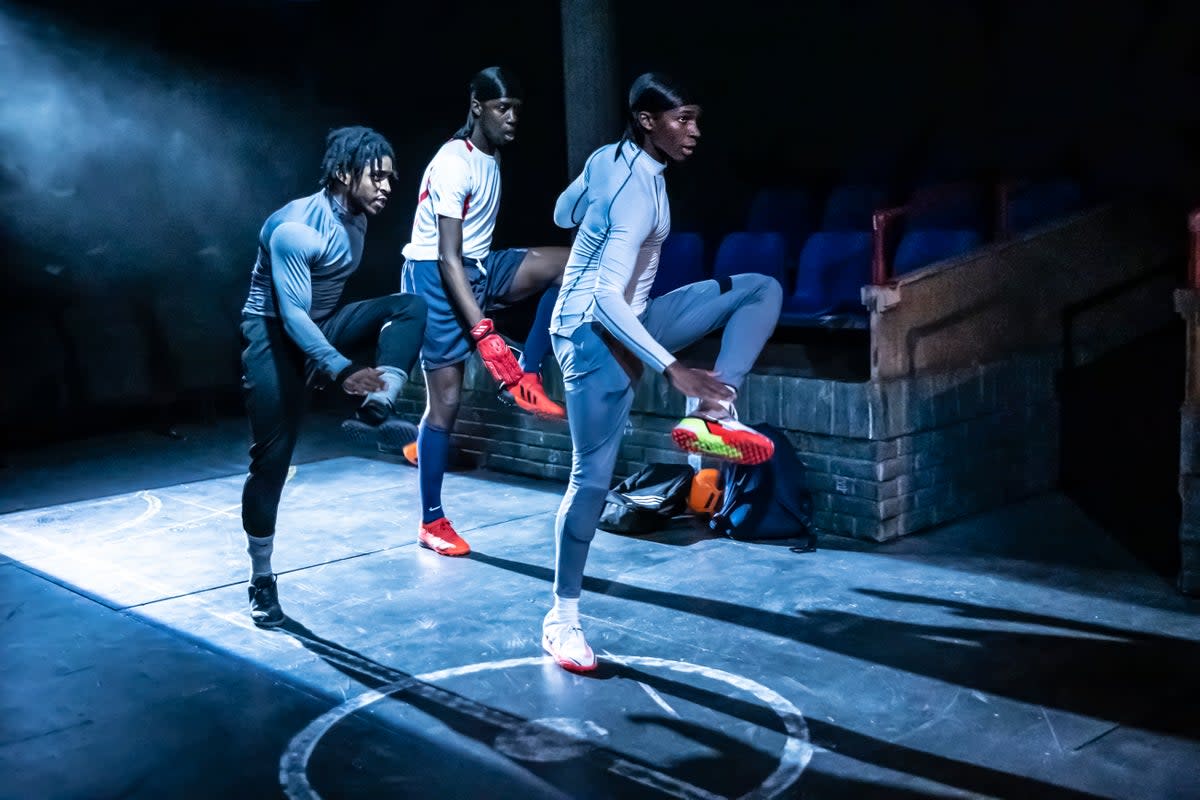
(828, 273)
(823, 268)
(833, 266)
(797, 211)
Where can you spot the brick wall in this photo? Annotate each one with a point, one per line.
(883, 459)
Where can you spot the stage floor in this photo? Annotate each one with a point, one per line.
(1021, 653)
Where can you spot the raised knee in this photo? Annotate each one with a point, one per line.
(404, 304)
(774, 291)
(762, 286)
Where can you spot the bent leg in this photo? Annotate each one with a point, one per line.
(541, 270)
(541, 267)
(746, 305)
(393, 326)
(390, 329)
(538, 270)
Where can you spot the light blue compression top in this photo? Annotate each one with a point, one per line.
(307, 250)
(619, 202)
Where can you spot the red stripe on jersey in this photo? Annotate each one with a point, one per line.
(470, 146)
(466, 204)
(424, 194)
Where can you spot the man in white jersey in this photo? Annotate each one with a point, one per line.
(605, 328)
(449, 262)
(294, 335)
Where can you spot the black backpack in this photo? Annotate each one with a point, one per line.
(647, 500)
(768, 500)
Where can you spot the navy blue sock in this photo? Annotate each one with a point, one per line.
(537, 344)
(433, 451)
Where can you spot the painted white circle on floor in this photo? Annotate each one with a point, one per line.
(574, 736)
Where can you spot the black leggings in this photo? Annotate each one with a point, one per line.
(275, 386)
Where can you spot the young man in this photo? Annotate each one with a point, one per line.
(605, 327)
(294, 335)
(449, 262)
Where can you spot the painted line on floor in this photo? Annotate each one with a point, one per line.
(153, 507)
(797, 751)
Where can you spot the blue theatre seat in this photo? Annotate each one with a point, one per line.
(833, 268)
(764, 252)
(680, 262)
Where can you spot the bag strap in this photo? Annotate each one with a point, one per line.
(792, 504)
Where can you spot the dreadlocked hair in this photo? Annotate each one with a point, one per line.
(350, 150)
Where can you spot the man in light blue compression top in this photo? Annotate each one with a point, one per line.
(605, 327)
(294, 335)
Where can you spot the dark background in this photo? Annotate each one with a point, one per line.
(215, 112)
(142, 145)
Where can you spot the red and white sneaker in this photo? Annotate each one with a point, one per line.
(529, 394)
(440, 537)
(727, 439)
(565, 642)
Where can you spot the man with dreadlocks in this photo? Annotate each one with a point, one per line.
(449, 262)
(294, 335)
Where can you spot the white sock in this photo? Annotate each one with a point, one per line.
(566, 609)
(260, 549)
(394, 379)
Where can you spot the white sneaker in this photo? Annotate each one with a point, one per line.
(565, 642)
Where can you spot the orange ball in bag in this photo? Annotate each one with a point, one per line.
(705, 495)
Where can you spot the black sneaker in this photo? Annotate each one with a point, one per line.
(373, 412)
(387, 437)
(264, 602)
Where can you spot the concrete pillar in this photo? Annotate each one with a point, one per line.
(590, 80)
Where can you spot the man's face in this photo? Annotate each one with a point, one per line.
(673, 133)
(498, 119)
(369, 194)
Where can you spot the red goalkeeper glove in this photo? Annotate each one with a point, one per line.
(496, 356)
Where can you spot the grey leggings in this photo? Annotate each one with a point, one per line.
(599, 392)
